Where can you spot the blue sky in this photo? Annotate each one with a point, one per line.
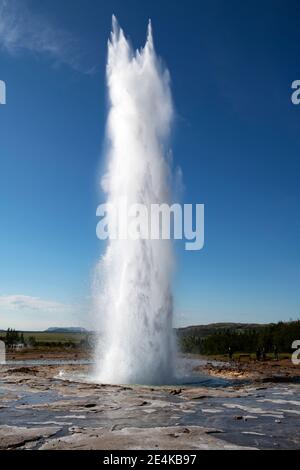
(236, 139)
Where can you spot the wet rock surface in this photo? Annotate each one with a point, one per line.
(16, 436)
(43, 408)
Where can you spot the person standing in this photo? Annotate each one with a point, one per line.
(258, 354)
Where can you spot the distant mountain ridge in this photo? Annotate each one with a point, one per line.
(206, 330)
(70, 329)
(191, 330)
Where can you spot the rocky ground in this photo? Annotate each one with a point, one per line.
(59, 354)
(265, 371)
(52, 407)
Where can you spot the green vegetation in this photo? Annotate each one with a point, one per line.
(46, 339)
(12, 338)
(216, 340)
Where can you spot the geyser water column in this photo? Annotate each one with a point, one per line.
(132, 286)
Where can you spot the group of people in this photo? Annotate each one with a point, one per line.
(260, 354)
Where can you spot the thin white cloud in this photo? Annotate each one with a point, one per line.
(26, 302)
(21, 30)
(25, 312)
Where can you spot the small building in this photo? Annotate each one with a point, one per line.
(19, 346)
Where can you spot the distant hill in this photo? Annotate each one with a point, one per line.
(202, 331)
(71, 329)
(248, 338)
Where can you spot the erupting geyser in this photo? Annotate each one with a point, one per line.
(132, 286)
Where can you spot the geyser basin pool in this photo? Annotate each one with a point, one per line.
(185, 381)
(132, 286)
(185, 375)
